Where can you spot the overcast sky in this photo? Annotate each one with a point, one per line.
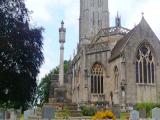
(49, 13)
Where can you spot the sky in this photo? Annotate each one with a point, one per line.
(50, 13)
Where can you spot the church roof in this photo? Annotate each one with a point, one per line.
(120, 45)
(118, 48)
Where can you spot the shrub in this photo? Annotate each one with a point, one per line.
(88, 110)
(65, 113)
(146, 106)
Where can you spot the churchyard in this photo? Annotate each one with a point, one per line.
(47, 112)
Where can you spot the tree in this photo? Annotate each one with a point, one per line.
(20, 54)
(43, 88)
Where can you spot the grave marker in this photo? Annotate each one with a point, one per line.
(134, 115)
(2, 115)
(48, 113)
(156, 113)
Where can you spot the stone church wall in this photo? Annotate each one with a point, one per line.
(116, 87)
(135, 92)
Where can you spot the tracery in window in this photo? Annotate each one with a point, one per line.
(97, 79)
(145, 71)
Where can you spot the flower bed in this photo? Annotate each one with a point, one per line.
(104, 115)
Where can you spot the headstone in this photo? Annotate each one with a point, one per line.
(18, 114)
(134, 115)
(13, 115)
(48, 113)
(8, 115)
(27, 113)
(142, 113)
(156, 113)
(2, 115)
(116, 110)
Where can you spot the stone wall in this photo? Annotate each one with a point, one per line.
(135, 92)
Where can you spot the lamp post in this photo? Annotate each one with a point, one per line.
(62, 32)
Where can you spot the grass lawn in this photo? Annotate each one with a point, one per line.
(124, 116)
(22, 117)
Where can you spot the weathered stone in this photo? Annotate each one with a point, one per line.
(142, 113)
(116, 110)
(48, 113)
(2, 115)
(156, 113)
(28, 113)
(134, 115)
(92, 76)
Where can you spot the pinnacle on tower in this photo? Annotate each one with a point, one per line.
(118, 20)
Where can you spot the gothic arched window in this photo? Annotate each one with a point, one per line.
(145, 65)
(116, 74)
(97, 79)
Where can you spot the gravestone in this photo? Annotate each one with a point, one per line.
(8, 115)
(28, 113)
(48, 113)
(2, 115)
(12, 114)
(142, 113)
(18, 114)
(156, 113)
(116, 110)
(134, 115)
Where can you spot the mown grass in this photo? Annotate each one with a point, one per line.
(124, 116)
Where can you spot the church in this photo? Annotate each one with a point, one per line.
(113, 64)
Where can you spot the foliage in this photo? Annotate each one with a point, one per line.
(64, 114)
(20, 54)
(56, 69)
(66, 63)
(146, 106)
(104, 115)
(43, 90)
(42, 93)
(88, 110)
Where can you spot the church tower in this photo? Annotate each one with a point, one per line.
(94, 15)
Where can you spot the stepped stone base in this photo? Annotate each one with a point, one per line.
(35, 117)
(57, 104)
